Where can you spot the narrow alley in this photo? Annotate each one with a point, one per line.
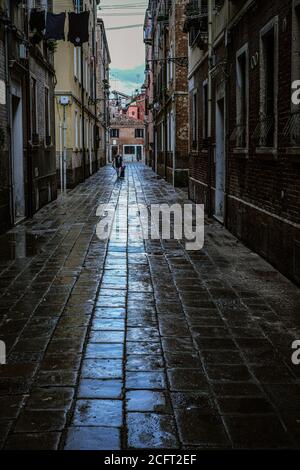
(142, 344)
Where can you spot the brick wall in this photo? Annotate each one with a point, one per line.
(262, 193)
(173, 98)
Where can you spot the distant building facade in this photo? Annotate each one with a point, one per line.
(127, 129)
(127, 138)
(27, 128)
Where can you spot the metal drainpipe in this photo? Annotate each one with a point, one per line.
(95, 83)
(82, 99)
(28, 117)
(9, 127)
(209, 162)
(82, 112)
(227, 129)
(165, 114)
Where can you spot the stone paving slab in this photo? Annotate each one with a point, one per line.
(142, 344)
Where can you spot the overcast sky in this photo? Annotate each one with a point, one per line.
(126, 46)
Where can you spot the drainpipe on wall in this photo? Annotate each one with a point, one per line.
(95, 83)
(82, 113)
(82, 98)
(165, 113)
(210, 149)
(30, 209)
(9, 127)
(227, 89)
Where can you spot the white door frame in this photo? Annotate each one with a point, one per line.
(133, 155)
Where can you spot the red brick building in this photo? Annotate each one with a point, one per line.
(127, 138)
(127, 128)
(244, 141)
(169, 108)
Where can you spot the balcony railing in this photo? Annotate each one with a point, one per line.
(196, 21)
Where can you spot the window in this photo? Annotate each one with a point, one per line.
(296, 42)
(269, 85)
(292, 129)
(86, 76)
(87, 140)
(129, 150)
(79, 64)
(242, 97)
(80, 132)
(33, 108)
(114, 133)
(76, 129)
(139, 133)
(92, 136)
(205, 111)
(75, 62)
(170, 66)
(195, 119)
(170, 131)
(47, 117)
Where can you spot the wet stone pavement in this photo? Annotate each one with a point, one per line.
(142, 344)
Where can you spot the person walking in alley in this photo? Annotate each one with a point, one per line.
(118, 165)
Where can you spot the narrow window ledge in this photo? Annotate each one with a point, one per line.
(267, 153)
(293, 151)
(241, 151)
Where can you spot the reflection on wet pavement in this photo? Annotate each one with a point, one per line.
(140, 344)
(20, 244)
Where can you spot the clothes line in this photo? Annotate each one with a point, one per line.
(124, 27)
(51, 26)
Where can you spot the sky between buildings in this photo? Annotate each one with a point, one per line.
(126, 45)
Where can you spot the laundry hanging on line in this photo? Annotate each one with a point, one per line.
(79, 28)
(55, 26)
(37, 20)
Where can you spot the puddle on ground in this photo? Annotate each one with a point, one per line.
(18, 245)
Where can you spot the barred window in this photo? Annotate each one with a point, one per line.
(114, 133)
(139, 133)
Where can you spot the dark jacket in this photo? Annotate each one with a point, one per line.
(118, 161)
